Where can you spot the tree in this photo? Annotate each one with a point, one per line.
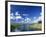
(39, 21)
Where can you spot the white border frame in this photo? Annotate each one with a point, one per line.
(29, 4)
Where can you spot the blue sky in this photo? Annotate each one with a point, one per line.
(30, 11)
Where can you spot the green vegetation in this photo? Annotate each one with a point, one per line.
(14, 26)
(35, 26)
(32, 27)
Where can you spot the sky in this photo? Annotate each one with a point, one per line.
(28, 12)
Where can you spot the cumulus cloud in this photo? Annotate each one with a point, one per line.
(27, 20)
(18, 17)
(38, 19)
(16, 13)
(11, 16)
(25, 14)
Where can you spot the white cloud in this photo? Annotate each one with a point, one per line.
(18, 17)
(12, 17)
(11, 14)
(38, 19)
(16, 13)
(15, 17)
(41, 13)
(25, 14)
(27, 20)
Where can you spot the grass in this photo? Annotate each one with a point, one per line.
(35, 26)
(14, 26)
